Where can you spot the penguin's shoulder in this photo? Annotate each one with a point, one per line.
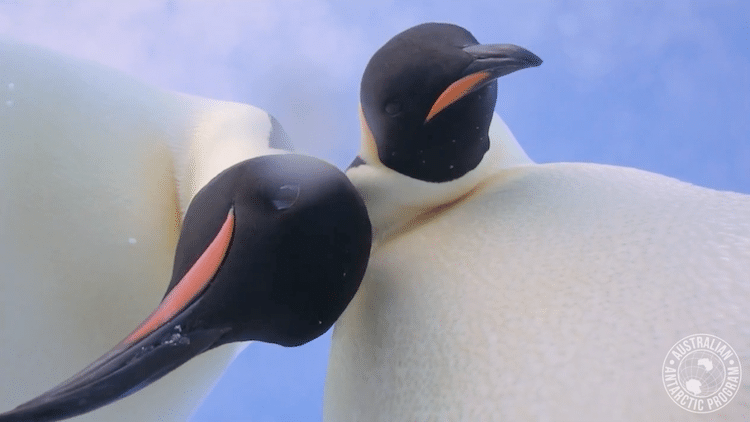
(581, 193)
(549, 207)
(69, 106)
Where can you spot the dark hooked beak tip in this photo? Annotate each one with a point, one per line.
(506, 58)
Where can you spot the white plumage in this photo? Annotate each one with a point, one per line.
(96, 170)
(544, 292)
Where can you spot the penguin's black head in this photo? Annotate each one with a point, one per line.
(428, 96)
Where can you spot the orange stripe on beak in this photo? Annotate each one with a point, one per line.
(456, 91)
(191, 285)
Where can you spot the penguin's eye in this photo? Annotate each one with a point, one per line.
(393, 108)
(285, 196)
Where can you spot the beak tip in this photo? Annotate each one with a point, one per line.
(527, 58)
(535, 61)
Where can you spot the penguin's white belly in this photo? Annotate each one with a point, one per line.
(89, 218)
(554, 293)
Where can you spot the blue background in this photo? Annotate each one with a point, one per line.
(663, 87)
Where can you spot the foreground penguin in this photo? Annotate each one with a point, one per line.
(272, 249)
(96, 172)
(500, 289)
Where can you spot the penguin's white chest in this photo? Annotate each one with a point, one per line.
(553, 294)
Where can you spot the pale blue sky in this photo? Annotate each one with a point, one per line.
(663, 87)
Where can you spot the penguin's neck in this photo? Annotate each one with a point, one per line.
(397, 203)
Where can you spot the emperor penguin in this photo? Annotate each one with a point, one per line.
(502, 289)
(96, 174)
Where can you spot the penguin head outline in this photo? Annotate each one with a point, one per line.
(427, 98)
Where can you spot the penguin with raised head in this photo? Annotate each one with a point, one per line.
(501, 289)
(96, 172)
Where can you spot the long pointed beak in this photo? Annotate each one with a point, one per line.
(161, 343)
(491, 61)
